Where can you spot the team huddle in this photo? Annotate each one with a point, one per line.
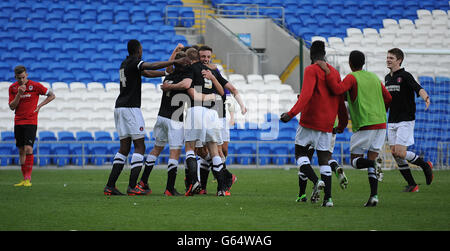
(190, 82)
(193, 112)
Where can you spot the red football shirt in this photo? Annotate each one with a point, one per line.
(25, 114)
(318, 105)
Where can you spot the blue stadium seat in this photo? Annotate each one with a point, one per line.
(98, 149)
(102, 136)
(66, 136)
(122, 19)
(287, 134)
(88, 18)
(44, 150)
(84, 136)
(280, 149)
(248, 150)
(61, 152)
(82, 28)
(6, 149)
(264, 149)
(47, 136)
(75, 9)
(248, 135)
(187, 16)
(105, 18)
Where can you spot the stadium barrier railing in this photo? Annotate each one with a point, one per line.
(260, 154)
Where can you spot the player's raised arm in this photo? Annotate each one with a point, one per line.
(153, 73)
(164, 64)
(182, 85)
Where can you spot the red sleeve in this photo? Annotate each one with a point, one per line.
(42, 90)
(336, 86)
(342, 114)
(309, 83)
(350, 81)
(386, 96)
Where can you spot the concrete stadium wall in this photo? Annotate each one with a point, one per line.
(278, 46)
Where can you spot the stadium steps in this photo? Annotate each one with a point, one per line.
(199, 16)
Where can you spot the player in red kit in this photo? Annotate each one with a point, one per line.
(23, 99)
(318, 107)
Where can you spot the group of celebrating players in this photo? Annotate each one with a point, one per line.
(193, 114)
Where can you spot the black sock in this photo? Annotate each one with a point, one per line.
(191, 170)
(149, 164)
(407, 175)
(204, 173)
(373, 186)
(309, 172)
(362, 163)
(228, 174)
(302, 182)
(420, 162)
(220, 176)
(146, 173)
(114, 175)
(373, 181)
(134, 176)
(334, 165)
(327, 190)
(171, 177)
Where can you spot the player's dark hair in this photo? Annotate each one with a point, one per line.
(133, 46)
(180, 54)
(188, 47)
(205, 48)
(357, 59)
(19, 69)
(398, 54)
(317, 51)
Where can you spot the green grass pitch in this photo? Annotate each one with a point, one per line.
(262, 200)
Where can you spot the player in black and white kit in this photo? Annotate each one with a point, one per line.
(205, 53)
(202, 123)
(128, 117)
(169, 126)
(402, 86)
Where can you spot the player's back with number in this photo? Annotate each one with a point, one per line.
(130, 83)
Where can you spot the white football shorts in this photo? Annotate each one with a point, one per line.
(129, 122)
(320, 141)
(202, 124)
(363, 141)
(401, 133)
(168, 131)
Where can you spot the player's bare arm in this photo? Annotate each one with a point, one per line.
(182, 85)
(153, 73)
(323, 65)
(200, 96)
(169, 69)
(164, 64)
(424, 95)
(237, 96)
(50, 96)
(20, 91)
